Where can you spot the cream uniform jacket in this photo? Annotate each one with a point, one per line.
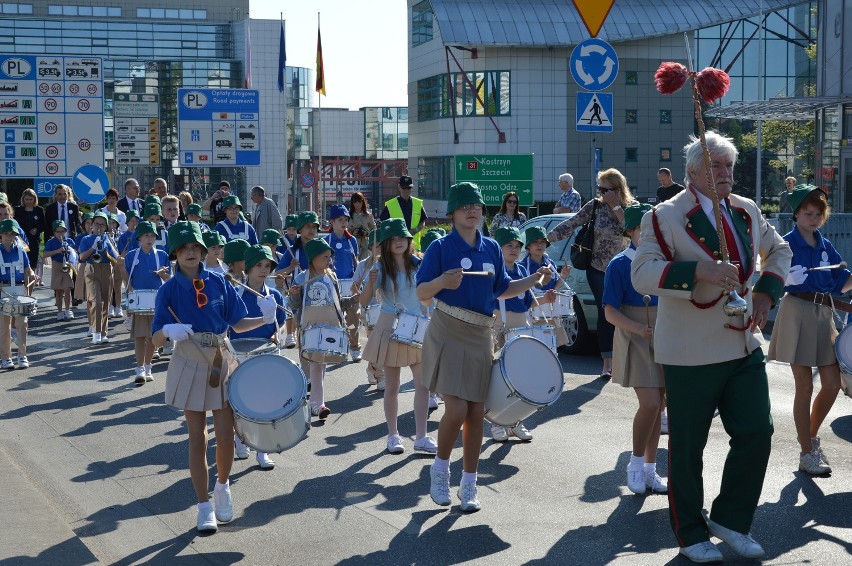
(692, 329)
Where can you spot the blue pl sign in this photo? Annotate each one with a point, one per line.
(90, 183)
(594, 64)
(218, 127)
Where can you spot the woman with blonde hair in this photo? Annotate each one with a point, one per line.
(30, 217)
(184, 200)
(607, 211)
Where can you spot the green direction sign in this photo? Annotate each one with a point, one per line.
(497, 175)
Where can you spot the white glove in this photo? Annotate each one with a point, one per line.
(177, 332)
(797, 275)
(268, 306)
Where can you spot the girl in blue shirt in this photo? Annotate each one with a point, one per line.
(99, 255)
(804, 331)
(195, 309)
(62, 250)
(457, 349)
(233, 226)
(345, 248)
(395, 276)
(633, 362)
(15, 278)
(535, 242)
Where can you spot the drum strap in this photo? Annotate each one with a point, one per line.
(13, 267)
(244, 234)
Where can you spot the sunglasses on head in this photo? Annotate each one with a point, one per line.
(604, 190)
(200, 298)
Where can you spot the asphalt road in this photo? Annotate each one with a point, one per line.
(96, 472)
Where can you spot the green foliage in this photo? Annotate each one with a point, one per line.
(769, 208)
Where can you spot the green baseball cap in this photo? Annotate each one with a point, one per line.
(508, 234)
(231, 200)
(194, 208)
(213, 238)
(257, 253)
(9, 225)
(633, 215)
(271, 236)
(315, 247)
(462, 194)
(534, 233)
(182, 233)
(58, 224)
(290, 221)
(152, 209)
(235, 250)
(393, 227)
(430, 236)
(145, 227)
(308, 217)
(799, 194)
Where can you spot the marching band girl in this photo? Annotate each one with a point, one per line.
(535, 238)
(233, 226)
(215, 251)
(61, 248)
(345, 248)
(375, 374)
(97, 252)
(80, 275)
(193, 214)
(16, 278)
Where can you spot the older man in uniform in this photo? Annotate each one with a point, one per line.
(408, 208)
(711, 359)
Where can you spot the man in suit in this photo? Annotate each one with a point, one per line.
(266, 214)
(710, 359)
(62, 209)
(131, 200)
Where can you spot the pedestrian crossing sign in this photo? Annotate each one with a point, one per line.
(594, 112)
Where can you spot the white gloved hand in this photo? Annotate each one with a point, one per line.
(268, 306)
(177, 332)
(797, 275)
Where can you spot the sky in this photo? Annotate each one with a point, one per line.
(364, 46)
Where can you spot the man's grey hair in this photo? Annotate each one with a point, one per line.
(693, 155)
(258, 190)
(130, 181)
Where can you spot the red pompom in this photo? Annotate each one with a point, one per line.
(670, 77)
(712, 84)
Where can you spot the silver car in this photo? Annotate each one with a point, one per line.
(581, 331)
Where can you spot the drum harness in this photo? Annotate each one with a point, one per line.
(14, 267)
(136, 262)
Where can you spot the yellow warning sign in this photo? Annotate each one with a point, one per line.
(593, 13)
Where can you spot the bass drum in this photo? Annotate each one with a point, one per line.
(843, 352)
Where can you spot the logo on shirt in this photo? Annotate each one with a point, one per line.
(466, 263)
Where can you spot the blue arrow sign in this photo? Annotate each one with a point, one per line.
(593, 64)
(90, 183)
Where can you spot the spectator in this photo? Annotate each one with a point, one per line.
(570, 201)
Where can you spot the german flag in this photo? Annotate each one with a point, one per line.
(320, 68)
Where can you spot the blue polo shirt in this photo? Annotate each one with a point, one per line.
(404, 296)
(267, 330)
(345, 255)
(532, 266)
(241, 229)
(829, 281)
(523, 302)
(16, 260)
(88, 242)
(224, 307)
(127, 242)
(476, 293)
(53, 244)
(140, 267)
(300, 255)
(618, 288)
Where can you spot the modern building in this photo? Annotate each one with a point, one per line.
(493, 77)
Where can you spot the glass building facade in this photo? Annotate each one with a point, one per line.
(386, 133)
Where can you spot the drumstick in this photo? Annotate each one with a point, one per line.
(215, 371)
(647, 300)
(538, 305)
(481, 273)
(841, 265)
(230, 278)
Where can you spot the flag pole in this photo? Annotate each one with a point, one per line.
(319, 123)
(283, 70)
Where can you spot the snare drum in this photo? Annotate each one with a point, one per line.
(563, 307)
(19, 306)
(526, 377)
(410, 328)
(325, 344)
(141, 301)
(347, 298)
(372, 313)
(245, 348)
(544, 333)
(843, 353)
(269, 397)
(540, 312)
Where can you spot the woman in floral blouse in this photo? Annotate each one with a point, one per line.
(361, 223)
(508, 216)
(614, 196)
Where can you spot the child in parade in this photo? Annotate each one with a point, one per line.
(430, 236)
(98, 253)
(459, 333)
(195, 309)
(16, 278)
(306, 226)
(234, 256)
(315, 298)
(127, 241)
(291, 232)
(153, 213)
(259, 263)
(193, 214)
(62, 250)
(535, 238)
(633, 360)
(146, 267)
(804, 333)
(375, 374)
(516, 310)
(271, 238)
(394, 276)
(115, 310)
(345, 248)
(233, 226)
(80, 274)
(215, 251)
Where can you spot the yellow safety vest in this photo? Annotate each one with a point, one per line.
(395, 211)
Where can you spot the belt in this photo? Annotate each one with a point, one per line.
(208, 339)
(465, 315)
(824, 299)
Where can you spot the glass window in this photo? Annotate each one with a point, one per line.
(665, 116)
(421, 23)
(199, 14)
(143, 12)
(85, 10)
(186, 14)
(630, 116)
(100, 11)
(25, 8)
(173, 14)
(54, 10)
(631, 77)
(114, 12)
(631, 154)
(69, 10)
(158, 13)
(665, 154)
(10, 8)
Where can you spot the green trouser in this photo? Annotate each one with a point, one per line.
(740, 390)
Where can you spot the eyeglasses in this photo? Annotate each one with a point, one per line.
(604, 190)
(200, 298)
(510, 201)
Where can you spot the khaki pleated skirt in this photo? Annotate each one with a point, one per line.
(187, 378)
(632, 356)
(803, 334)
(457, 358)
(140, 325)
(60, 281)
(385, 352)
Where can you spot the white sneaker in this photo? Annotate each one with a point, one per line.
(264, 461)
(371, 374)
(395, 445)
(656, 483)
(241, 450)
(521, 432)
(467, 495)
(290, 341)
(811, 463)
(433, 402)
(111, 313)
(742, 544)
(499, 433)
(69, 314)
(140, 376)
(815, 444)
(156, 355)
(380, 384)
(636, 478)
(60, 315)
(119, 313)
(206, 519)
(439, 489)
(223, 502)
(149, 372)
(90, 332)
(104, 338)
(702, 552)
(96, 338)
(7, 363)
(664, 422)
(356, 355)
(426, 444)
(169, 348)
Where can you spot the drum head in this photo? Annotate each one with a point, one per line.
(532, 369)
(26, 300)
(252, 346)
(266, 388)
(843, 349)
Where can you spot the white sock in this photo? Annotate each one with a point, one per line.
(651, 468)
(468, 477)
(206, 506)
(441, 465)
(636, 460)
(221, 486)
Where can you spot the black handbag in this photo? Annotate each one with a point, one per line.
(581, 249)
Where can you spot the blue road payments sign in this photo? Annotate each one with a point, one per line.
(90, 183)
(218, 127)
(593, 64)
(594, 112)
(51, 114)
(44, 187)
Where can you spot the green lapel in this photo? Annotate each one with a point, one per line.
(742, 224)
(699, 229)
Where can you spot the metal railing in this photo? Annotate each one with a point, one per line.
(838, 230)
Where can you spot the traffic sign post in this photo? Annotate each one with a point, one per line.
(594, 112)
(593, 13)
(137, 129)
(593, 64)
(90, 183)
(307, 179)
(497, 175)
(218, 127)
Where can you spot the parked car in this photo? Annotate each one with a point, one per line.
(581, 330)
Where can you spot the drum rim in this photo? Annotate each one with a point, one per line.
(502, 362)
(844, 367)
(300, 397)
